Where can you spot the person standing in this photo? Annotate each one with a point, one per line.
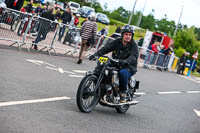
(45, 26)
(66, 19)
(14, 4)
(88, 32)
(29, 6)
(38, 9)
(182, 61)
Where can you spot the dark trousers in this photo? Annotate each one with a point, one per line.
(41, 36)
(61, 32)
(124, 75)
(180, 69)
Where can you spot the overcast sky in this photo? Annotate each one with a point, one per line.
(172, 8)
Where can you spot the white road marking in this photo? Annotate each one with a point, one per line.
(197, 112)
(34, 101)
(140, 93)
(193, 91)
(76, 76)
(169, 92)
(79, 71)
(60, 70)
(38, 62)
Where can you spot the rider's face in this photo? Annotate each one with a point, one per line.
(127, 37)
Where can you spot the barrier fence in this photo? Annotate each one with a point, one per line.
(23, 29)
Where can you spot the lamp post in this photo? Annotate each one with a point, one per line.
(178, 21)
(140, 17)
(129, 21)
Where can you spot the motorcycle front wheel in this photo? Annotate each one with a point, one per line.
(122, 109)
(87, 97)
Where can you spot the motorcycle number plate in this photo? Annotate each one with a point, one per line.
(103, 59)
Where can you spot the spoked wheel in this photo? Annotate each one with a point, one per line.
(122, 109)
(87, 97)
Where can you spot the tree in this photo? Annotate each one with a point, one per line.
(165, 26)
(186, 39)
(148, 22)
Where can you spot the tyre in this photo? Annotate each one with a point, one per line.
(87, 97)
(122, 109)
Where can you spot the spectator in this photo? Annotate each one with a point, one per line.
(38, 9)
(58, 14)
(44, 9)
(163, 58)
(23, 9)
(66, 19)
(45, 26)
(151, 54)
(103, 32)
(65, 5)
(88, 32)
(76, 20)
(14, 4)
(118, 29)
(140, 42)
(182, 61)
(29, 6)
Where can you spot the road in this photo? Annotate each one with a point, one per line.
(37, 95)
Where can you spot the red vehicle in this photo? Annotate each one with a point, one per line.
(151, 37)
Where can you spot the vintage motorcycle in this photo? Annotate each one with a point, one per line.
(102, 86)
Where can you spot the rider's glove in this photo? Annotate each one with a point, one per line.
(92, 57)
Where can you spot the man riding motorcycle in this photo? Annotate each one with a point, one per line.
(126, 51)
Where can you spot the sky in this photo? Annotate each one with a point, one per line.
(172, 8)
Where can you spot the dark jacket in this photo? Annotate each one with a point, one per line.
(128, 54)
(10, 4)
(183, 60)
(66, 17)
(46, 25)
(29, 8)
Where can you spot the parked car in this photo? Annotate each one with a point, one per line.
(102, 18)
(85, 11)
(47, 1)
(59, 5)
(74, 7)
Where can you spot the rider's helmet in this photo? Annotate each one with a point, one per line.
(127, 28)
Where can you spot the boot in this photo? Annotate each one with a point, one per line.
(123, 98)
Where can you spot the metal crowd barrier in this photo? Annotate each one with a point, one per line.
(151, 60)
(26, 29)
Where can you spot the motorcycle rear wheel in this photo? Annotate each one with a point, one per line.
(87, 97)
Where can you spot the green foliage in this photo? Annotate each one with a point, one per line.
(148, 22)
(179, 51)
(115, 22)
(165, 26)
(186, 39)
